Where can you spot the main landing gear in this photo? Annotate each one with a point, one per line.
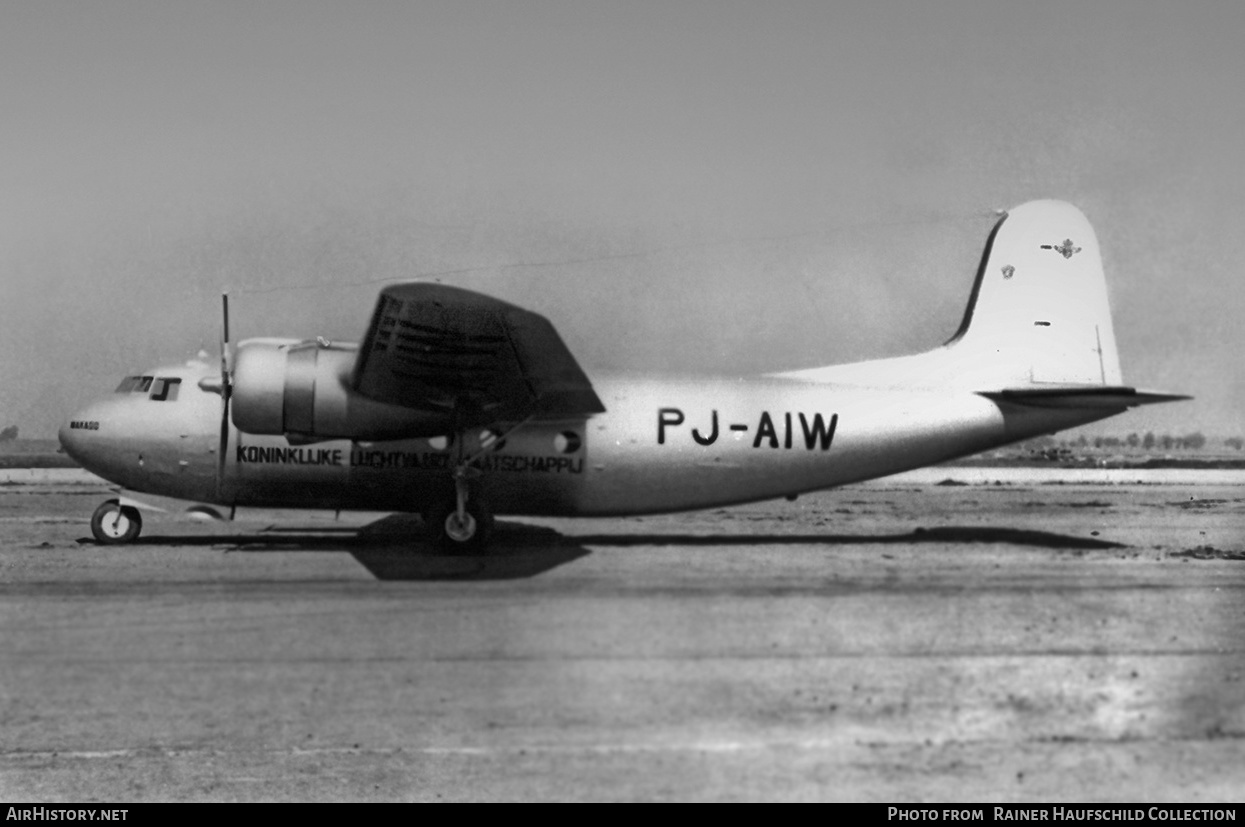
(114, 523)
(463, 522)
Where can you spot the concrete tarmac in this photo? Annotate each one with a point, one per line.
(894, 641)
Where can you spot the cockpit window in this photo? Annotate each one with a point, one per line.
(165, 390)
(135, 384)
(162, 388)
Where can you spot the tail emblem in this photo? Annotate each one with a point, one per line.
(1065, 249)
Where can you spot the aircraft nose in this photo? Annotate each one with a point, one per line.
(65, 437)
(79, 433)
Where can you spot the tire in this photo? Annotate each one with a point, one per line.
(445, 533)
(115, 524)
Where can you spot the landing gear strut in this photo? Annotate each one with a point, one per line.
(463, 522)
(114, 524)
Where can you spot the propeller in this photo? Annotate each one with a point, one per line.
(225, 391)
(223, 386)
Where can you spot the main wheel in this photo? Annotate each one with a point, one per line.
(448, 533)
(113, 523)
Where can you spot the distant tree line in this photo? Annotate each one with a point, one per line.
(8, 434)
(1195, 441)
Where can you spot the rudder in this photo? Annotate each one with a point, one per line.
(1039, 312)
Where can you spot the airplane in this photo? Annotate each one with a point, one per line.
(459, 406)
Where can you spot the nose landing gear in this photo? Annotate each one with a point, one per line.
(114, 524)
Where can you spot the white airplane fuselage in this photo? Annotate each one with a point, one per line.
(663, 444)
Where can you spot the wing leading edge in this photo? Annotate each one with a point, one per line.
(448, 350)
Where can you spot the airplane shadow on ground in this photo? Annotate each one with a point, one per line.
(393, 548)
(945, 534)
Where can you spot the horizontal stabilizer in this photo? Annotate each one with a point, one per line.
(1098, 396)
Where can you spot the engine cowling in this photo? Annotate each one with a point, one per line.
(302, 390)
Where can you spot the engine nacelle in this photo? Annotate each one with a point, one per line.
(302, 390)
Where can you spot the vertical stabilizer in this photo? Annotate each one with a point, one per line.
(1039, 313)
(1037, 332)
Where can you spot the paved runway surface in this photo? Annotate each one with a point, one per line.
(893, 641)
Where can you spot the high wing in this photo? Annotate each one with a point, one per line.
(446, 350)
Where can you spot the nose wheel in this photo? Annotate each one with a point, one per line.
(114, 524)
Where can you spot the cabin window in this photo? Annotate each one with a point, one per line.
(135, 384)
(165, 390)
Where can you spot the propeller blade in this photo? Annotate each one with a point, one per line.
(225, 392)
(224, 339)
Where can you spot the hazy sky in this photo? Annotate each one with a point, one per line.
(690, 186)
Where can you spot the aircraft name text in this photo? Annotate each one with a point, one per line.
(84, 425)
(785, 430)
